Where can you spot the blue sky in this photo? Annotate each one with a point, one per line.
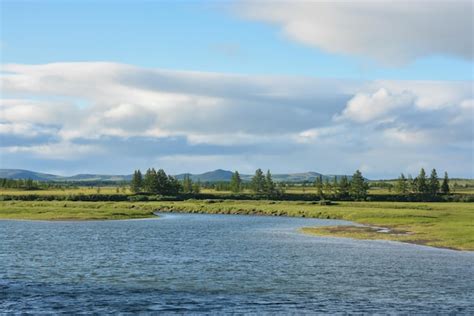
(187, 35)
(196, 85)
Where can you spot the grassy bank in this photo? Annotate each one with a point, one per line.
(57, 210)
(449, 225)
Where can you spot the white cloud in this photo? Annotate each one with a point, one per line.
(34, 111)
(71, 111)
(27, 130)
(56, 151)
(128, 101)
(320, 135)
(364, 107)
(391, 32)
(408, 137)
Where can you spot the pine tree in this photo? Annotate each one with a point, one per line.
(344, 187)
(421, 185)
(162, 185)
(433, 184)
(269, 184)
(402, 185)
(258, 182)
(174, 186)
(236, 182)
(136, 184)
(148, 180)
(359, 186)
(445, 185)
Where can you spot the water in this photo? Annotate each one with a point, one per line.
(222, 263)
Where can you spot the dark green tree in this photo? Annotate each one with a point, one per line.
(445, 184)
(236, 182)
(433, 184)
(270, 188)
(148, 180)
(174, 187)
(258, 182)
(402, 185)
(421, 182)
(136, 184)
(359, 186)
(163, 185)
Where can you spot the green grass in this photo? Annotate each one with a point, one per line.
(448, 225)
(65, 191)
(295, 189)
(57, 210)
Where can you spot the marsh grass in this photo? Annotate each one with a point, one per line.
(448, 225)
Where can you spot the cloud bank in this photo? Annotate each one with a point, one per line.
(390, 32)
(69, 117)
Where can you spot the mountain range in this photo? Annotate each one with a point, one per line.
(210, 176)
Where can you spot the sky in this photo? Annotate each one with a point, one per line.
(191, 86)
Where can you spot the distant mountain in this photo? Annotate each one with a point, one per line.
(98, 177)
(210, 176)
(296, 177)
(26, 174)
(38, 176)
(226, 175)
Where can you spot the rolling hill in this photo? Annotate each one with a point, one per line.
(210, 176)
(27, 174)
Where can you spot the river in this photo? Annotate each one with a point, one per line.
(189, 263)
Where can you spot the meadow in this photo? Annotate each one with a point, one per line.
(464, 187)
(447, 225)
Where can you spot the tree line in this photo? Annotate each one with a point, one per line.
(30, 184)
(158, 182)
(343, 187)
(24, 184)
(422, 184)
(261, 184)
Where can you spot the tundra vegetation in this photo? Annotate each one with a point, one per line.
(374, 204)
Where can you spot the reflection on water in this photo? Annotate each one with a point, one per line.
(222, 263)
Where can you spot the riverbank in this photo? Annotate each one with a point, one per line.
(446, 225)
(76, 211)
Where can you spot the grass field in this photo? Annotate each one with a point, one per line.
(448, 225)
(296, 189)
(57, 210)
(66, 191)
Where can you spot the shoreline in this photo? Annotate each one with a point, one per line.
(316, 231)
(335, 232)
(440, 225)
(324, 231)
